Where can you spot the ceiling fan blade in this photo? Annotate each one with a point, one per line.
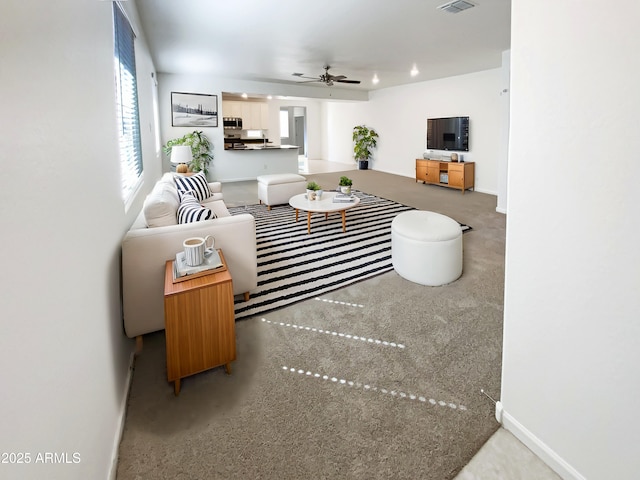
(326, 78)
(302, 75)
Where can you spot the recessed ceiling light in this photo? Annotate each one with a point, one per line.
(375, 79)
(244, 95)
(456, 6)
(414, 71)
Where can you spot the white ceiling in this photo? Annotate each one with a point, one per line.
(270, 40)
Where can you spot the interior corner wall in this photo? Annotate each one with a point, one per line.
(64, 356)
(399, 115)
(570, 353)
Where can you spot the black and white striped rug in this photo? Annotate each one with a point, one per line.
(294, 265)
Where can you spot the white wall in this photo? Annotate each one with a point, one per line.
(63, 352)
(570, 381)
(399, 115)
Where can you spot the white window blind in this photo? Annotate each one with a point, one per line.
(127, 104)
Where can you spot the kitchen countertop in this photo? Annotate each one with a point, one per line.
(264, 147)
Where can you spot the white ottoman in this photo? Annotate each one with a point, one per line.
(277, 189)
(426, 247)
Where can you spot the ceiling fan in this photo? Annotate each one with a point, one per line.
(326, 78)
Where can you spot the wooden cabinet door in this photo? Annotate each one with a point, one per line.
(433, 172)
(456, 176)
(421, 170)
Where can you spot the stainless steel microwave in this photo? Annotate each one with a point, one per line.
(232, 123)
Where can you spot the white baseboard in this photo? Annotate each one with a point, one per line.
(537, 446)
(482, 190)
(123, 414)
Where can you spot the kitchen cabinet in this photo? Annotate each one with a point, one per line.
(255, 115)
(264, 115)
(232, 109)
(247, 117)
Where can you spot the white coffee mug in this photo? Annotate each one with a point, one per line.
(194, 249)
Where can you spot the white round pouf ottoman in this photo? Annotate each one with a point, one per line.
(426, 247)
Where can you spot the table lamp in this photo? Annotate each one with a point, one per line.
(181, 157)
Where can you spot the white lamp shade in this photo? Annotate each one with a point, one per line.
(181, 154)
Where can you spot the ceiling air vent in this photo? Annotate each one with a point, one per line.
(456, 6)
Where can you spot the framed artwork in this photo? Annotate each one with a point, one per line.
(194, 110)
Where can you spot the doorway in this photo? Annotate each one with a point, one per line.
(293, 131)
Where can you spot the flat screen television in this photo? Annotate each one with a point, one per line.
(448, 133)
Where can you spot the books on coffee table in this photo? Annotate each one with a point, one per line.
(181, 270)
(343, 198)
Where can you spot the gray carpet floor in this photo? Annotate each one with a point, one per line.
(377, 380)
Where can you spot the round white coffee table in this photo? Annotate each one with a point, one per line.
(326, 205)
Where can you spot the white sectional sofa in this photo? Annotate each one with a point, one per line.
(156, 237)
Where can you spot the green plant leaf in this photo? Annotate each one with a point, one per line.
(200, 150)
(364, 140)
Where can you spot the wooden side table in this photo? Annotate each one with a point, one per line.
(199, 323)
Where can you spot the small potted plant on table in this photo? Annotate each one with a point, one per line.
(314, 191)
(345, 185)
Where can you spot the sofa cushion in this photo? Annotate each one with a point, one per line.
(196, 183)
(168, 177)
(191, 211)
(160, 206)
(218, 208)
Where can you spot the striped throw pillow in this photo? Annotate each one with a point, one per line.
(191, 211)
(196, 183)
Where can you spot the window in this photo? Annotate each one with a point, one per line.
(254, 133)
(284, 123)
(127, 105)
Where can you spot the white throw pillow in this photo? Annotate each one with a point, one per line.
(196, 183)
(191, 211)
(160, 206)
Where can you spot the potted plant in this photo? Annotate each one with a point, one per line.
(314, 191)
(200, 150)
(345, 185)
(364, 140)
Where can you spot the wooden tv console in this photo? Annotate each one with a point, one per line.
(460, 175)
